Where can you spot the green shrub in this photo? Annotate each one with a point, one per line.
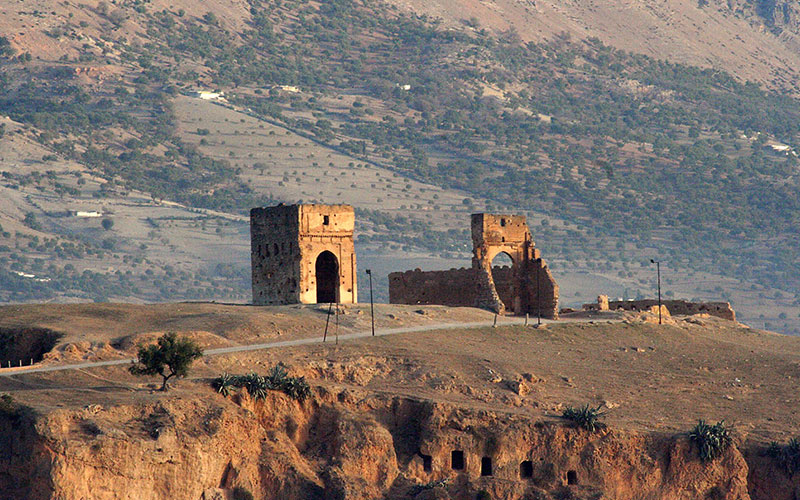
(711, 440)
(788, 457)
(585, 417)
(223, 383)
(257, 386)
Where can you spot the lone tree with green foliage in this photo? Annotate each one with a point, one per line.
(170, 357)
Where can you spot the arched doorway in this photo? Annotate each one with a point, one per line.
(503, 277)
(327, 274)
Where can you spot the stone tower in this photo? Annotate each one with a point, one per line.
(303, 254)
(528, 286)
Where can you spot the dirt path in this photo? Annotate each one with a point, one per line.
(380, 332)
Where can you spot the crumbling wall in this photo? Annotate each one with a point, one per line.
(275, 254)
(526, 287)
(676, 307)
(456, 287)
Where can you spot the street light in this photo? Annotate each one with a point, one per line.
(658, 270)
(538, 293)
(371, 303)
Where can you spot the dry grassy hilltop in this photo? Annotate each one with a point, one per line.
(624, 131)
(387, 413)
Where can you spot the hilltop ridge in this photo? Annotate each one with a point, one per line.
(395, 400)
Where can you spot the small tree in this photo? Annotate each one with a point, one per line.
(170, 357)
(107, 224)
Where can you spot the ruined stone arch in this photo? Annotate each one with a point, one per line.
(498, 254)
(526, 287)
(326, 277)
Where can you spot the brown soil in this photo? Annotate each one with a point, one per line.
(381, 404)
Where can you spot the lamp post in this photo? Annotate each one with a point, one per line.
(538, 293)
(371, 303)
(658, 271)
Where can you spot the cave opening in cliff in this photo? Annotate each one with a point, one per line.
(572, 477)
(486, 466)
(457, 460)
(427, 462)
(526, 469)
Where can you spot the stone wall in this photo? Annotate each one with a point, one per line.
(527, 287)
(456, 287)
(675, 307)
(461, 287)
(275, 254)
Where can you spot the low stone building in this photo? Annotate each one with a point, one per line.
(527, 286)
(303, 254)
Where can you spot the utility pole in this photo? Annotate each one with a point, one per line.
(538, 293)
(327, 321)
(371, 303)
(658, 271)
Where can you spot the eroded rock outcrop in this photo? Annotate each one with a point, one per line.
(352, 445)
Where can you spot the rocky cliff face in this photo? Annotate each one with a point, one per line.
(351, 445)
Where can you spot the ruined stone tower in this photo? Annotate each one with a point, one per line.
(303, 254)
(526, 287)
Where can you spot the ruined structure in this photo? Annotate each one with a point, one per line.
(675, 307)
(525, 287)
(303, 254)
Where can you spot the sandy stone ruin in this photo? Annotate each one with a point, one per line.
(303, 254)
(526, 287)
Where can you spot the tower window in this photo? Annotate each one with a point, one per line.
(326, 220)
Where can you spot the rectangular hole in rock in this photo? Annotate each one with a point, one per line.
(427, 462)
(457, 460)
(526, 469)
(486, 466)
(572, 477)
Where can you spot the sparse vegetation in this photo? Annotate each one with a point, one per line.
(171, 356)
(258, 386)
(242, 493)
(584, 416)
(711, 440)
(14, 411)
(786, 456)
(419, 488)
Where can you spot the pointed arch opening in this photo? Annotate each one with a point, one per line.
(503, 277)
(327, 277)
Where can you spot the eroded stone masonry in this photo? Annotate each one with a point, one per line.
(525, 287)
(676, 307)
(303, 254)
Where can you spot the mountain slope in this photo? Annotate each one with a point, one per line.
(617, 156)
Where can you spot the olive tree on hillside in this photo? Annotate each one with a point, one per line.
(170, 357)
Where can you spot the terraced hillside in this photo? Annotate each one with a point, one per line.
(617, 157)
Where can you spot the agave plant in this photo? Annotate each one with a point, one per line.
(256, 385)
(223, 384)
(585, 416)
(788, 457)
(711, 440)
(297, 388)
(278, 377)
